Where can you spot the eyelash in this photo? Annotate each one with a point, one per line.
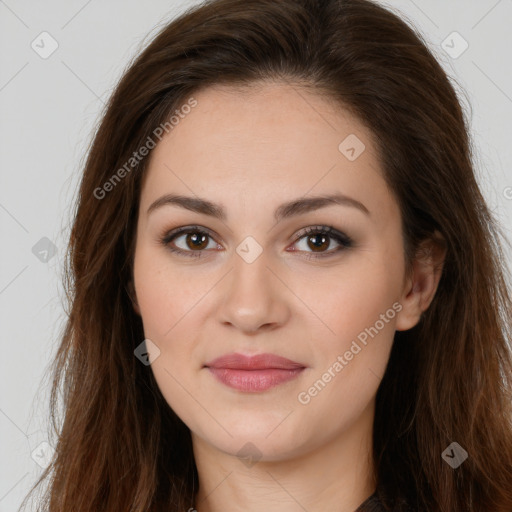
(344, 240)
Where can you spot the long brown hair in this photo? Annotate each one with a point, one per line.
(119, 446)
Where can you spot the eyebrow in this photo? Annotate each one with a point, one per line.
(286, 210)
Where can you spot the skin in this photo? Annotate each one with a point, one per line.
(250, 151)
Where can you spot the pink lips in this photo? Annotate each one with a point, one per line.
(254, 373)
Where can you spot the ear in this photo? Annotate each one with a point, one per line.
(421, 285)
(133, 296)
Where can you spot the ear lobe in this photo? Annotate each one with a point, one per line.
(421, 286)
(133, 296)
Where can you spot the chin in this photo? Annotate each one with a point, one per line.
(263, 444)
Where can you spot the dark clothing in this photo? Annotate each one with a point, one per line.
(372, 504)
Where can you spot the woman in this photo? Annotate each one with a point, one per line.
(287, 291)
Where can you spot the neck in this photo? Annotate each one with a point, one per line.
(337, 476)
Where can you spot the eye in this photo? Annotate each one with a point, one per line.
(319, 238)
(195, 239)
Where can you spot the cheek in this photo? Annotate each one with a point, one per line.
(352, 297)
(170, 306)
(166, 300)
(357, 306)
(163, 294)
(349, 371)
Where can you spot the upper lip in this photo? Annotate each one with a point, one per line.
(236, 361)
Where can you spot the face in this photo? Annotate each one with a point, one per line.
(247, 262)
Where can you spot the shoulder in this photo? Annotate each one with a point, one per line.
(374, 504)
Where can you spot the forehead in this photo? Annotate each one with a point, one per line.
(265, 141)
(275, 116)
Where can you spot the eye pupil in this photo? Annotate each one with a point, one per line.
(197, 240)
(319, 241)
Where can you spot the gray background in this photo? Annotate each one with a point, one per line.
(49, 107)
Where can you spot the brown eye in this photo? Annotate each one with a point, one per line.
(318, 239)
(197, 240)
(318, 242)
(188, 241)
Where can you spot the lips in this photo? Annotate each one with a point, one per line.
(256, 362)
(253, 373)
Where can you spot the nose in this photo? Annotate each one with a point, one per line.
(254, 298)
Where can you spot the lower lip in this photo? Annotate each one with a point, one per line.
(254, 380)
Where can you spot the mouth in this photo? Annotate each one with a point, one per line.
(254, 373)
